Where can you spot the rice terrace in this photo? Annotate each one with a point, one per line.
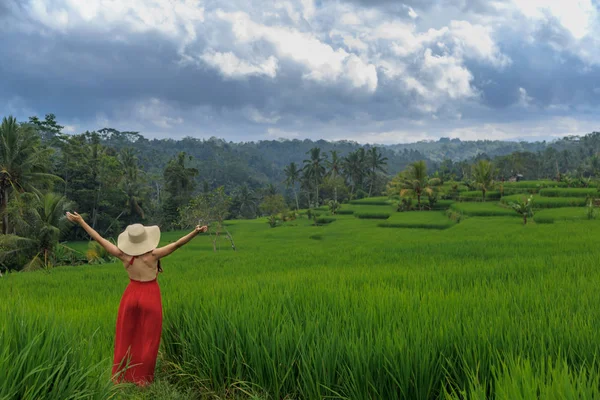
(426, 292)
(299, 200)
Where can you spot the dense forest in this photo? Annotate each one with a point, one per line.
(115, 178)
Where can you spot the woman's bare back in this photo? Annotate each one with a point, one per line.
(143, 268)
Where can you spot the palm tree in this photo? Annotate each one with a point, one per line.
(23, 164)
(524, 208)
(375, 162)
(132, 182)
(246, 200)
(483, 176)
(179, 179)
(38, 221)
(292, 175)
(314, 169)
(334, 169)
(415, 182)
(353, 166)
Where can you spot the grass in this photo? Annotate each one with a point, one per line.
(372, 201)
(547, 202)
(569, 192)
(483, 210)
(561, 214)
(371, 215)
(477, 195)
(489, 308)
(418, 219)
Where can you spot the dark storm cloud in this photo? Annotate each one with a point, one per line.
(150, 81)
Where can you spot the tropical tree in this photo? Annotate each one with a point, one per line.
(334, 170)
(38, 221)
(524, 208)
(414, 182)
(375, 162)
(483, 174)
(179, 184)
(353, 166)
(23, 163)
(132, 183)
(245, 201)
(314, 169)
(292, 176)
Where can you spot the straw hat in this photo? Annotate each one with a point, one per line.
(138, 239)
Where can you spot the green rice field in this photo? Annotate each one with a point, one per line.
(416, 306)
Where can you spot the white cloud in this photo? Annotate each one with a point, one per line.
(156, 112)
(231, 66)
(448, 75)
(175, 19)
(256, 116)
(524, 99)
(323, 63)
(275, 133)
(412, 13)
(576, 16)
(475, 41)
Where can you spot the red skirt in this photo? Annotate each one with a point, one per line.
(139, 325)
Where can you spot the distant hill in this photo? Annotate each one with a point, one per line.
(458, 150)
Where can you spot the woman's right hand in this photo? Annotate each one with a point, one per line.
(200, 229)
(76, 218)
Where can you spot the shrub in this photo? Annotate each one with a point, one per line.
(324, 220)
(370, 202)
(345, 212)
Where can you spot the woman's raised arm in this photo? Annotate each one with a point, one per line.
(168, 249)
(111, 248)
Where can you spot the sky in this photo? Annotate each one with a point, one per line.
(371, 71)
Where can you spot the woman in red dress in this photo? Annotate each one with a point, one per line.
(139, 321)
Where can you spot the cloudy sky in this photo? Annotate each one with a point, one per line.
(377, 71)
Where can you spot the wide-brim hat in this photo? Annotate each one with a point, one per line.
(138, 239)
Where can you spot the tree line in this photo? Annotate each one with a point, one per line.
(115, 178)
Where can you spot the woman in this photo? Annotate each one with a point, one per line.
(139, 321)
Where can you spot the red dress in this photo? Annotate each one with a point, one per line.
(139, 325)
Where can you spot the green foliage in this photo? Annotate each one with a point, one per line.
(475, 295)
(96, 254)
(23, 164)
(373, 201)
(37, 221)
(369, 215)
(324, 220)
(590, 210)
(476, 196)
(524, 208)
(568, 192)
(482, 210)
(334, 206)
(345, 212)
(273, 205)
(414, 182)
(549, 202)
(483, 174)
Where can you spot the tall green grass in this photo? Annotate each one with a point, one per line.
(477, 195)
(547, 202)
(489, 307)
(483, 210)
(569, 192)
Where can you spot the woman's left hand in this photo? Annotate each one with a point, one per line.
(200, 229)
